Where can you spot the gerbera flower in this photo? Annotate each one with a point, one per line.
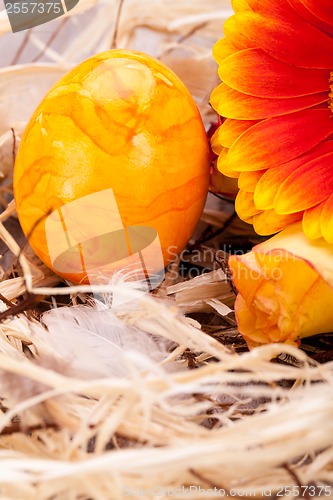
(276, 65)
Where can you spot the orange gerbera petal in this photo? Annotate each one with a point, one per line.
(245, 205)
(223, 49)
(276, 28)
(240, 5)
(223, 166)
(278, 76)
(269, 222)
(231, 129)
(277, 140)
(269, 183)
(215, 143)
(265, 190)
(308, 14)
(306, 187)
(227, 46)
(320, 8)
(311, 222)
(241, 106)
(326, 220)
(236, 38)
(219, 183)
(248, 180)
(272, 78)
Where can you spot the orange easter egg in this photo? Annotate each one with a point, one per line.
(112, 170)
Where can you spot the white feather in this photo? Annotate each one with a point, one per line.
(94, 342)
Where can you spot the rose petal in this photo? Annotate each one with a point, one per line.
(292, 295)
(273, 306)
(244, 318)
(247, 274)
(318, 253)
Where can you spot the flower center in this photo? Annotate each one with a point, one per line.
(330, 95)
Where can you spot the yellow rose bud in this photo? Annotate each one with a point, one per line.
(285, 288)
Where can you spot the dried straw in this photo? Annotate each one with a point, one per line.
(230, 422)
(80, 423)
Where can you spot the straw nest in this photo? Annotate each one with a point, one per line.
(108, 394)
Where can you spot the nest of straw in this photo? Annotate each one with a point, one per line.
(199, 417)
